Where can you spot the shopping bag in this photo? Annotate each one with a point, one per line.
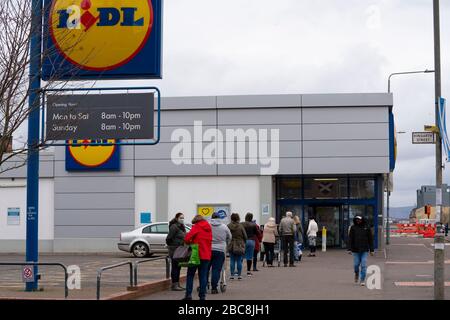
(194, 259)
(182, 254)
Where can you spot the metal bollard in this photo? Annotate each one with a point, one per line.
(324, 239)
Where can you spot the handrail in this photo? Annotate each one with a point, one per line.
(137, 263)
(66, 289)
(100, 271)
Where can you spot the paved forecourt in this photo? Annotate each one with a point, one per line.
(406, 273)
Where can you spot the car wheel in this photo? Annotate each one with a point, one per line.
(140, 250)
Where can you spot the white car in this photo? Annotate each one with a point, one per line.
(146, 240)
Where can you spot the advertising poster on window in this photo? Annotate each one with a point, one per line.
(207, 211)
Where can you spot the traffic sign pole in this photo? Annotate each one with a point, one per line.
(439, 257)
(32, 253)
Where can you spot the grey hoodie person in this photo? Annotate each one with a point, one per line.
(221, 235)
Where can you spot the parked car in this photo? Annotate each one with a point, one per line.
(146, 240)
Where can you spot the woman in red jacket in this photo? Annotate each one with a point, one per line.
(201, 234)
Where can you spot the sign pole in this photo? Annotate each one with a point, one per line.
(439, 240)
(32, 253)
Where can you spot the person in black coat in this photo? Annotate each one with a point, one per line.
(360, 243)
(175, 239)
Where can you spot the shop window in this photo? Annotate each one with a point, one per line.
(289, 188)
(362, 188)
(325, 188)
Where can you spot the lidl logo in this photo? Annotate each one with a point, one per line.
(82, 156)
(100, 34)
(103, 39)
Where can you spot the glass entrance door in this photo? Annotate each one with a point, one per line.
(330, 218)
(283, 208)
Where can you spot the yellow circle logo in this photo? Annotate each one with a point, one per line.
(100, 35)
(91, 156)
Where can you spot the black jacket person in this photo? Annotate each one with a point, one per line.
(360, 242)
(360, 237)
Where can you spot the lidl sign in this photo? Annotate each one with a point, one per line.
(80, 156)
(92, 39)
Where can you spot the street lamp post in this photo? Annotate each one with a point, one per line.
(388, 192)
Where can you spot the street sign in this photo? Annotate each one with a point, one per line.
(100, 116)
(423, 138)
(102, 39)
(27, 274)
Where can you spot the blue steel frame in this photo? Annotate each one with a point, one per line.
(32, 235)
(151, 143)
(374, 202)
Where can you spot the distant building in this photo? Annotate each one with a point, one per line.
(427, 196)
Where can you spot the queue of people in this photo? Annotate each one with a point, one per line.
(243, 240)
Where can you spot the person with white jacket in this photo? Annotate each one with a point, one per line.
(313, 228)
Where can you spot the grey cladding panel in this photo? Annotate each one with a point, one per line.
(346, 131)
(286, 132)
(345, 165)
(168, 168)
(284, 166)
(87, 201)
(260, 101)
(16, 167)
(104, 231)
(176, 103)
(94, 184)
(260, 116)
(94, 217)
(345, 115)
(164, 151)
(347, 99)
(126, 169)
(367, 148)
(167, 132)
(187, 117)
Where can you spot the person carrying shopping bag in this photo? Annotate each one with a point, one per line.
(175, 239)
(200, 234)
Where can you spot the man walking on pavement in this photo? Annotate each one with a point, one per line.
(360, 243)
(287, 230)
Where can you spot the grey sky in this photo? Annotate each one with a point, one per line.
(216, 47)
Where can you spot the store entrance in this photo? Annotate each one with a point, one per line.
(329, 217)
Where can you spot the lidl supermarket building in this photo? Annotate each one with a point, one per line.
(315, 154)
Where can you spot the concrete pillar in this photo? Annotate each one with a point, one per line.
(162, 199)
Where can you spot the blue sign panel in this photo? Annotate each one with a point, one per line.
(146, 217)
(102, 39)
